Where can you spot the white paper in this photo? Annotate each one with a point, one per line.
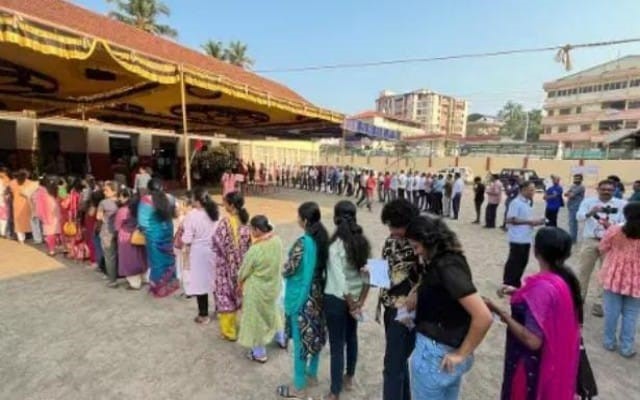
(379, 273)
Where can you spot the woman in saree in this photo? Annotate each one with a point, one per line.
(155, 219)
(304, 274)
(21, 206)
(543, 330)
(132, 260)
(260, 279)
(231, 240)
(70, 212)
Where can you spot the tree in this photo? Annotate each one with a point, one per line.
(143, 14)
(474, 117)
(515, 122)
(236, 54)
(214, 48)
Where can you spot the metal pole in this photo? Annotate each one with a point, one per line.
(526, 128)
(183, 99)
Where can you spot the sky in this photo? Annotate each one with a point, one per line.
(294, 33)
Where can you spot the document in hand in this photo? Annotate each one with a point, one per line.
(379, 273)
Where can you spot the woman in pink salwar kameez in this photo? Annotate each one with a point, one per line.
(228, 182)
(543, 328)
(48, 211)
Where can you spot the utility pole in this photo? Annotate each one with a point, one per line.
(526, 128)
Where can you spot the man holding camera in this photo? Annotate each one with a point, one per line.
(597, 213)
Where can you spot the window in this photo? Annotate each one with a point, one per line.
(547, 129)
(614, 105)
(550, 113)
(610, 125)
(578, 109)
(633, 104)
(563, 129)
(574, 91)
(631, 124)
(564, 111)
(635, 82)
(552, 93)
(585, 128)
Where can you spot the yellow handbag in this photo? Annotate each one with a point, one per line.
(70, 228)
(138, 239)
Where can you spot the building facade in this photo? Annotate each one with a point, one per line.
(484, 126)
(439, 114)
(583, 108)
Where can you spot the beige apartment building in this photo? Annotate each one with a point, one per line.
(583, 109)
(439, 114)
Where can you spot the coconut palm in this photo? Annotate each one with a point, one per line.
(143, 14)
(214, 48)
(236, 54)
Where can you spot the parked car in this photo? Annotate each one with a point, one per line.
(508, 174)
(465, 172)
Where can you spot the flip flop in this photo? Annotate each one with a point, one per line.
(251, 357)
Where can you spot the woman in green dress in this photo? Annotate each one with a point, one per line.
(260, 279)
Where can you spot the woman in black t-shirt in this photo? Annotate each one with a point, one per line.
(451, 318)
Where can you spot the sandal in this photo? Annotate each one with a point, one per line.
(285, 392)
(228, 339)
(201, 320)
(251, 357)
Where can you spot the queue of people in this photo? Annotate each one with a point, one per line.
(433, 316)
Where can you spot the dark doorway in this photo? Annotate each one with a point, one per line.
(51, 159)
(164, 160)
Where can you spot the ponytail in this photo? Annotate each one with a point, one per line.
(210, 207)
(310, 213)
(236, 200)
(355, 243)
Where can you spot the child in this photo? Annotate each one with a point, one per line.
(182, 257)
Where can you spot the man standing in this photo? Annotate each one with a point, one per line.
(402, 184)
(635, 196)
(409, 188)
(448, 190)
(458, 188)
(553, 197)
(574, 196)
(597, 213)
(512, 191)
(520, 224)
(494, 196)
(478, 198)
(403, 270)
(438, 190)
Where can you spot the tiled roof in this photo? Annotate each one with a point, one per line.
(75, 18)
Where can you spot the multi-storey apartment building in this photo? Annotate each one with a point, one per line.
(439, 114)
(583, 108)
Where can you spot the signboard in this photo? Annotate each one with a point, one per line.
(372, 131)
(585, 170)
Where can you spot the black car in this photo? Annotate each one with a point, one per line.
(507, 175)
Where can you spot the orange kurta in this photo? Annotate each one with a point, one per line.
(21, 208)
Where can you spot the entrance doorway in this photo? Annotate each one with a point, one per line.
(164, 160)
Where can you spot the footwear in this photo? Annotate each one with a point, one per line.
(611, 348)
(260, 360)
(597, 311)
(112, 285)
(286, 392)
(347, 383)
(202, 320)
(628, 355)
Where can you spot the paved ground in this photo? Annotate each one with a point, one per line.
(63, 335)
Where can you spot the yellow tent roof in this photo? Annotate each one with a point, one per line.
(60, 59)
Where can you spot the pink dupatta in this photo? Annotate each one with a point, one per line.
(41, 200)
(551, 304)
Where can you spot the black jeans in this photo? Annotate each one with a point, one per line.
(455, 203)
(516, 263)
(478, 204)
(203, 305)
(343, 331)
(401, 193)
(551, 216)
(399, 345)
(490, 215)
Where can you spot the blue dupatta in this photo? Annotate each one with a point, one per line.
(298, 285)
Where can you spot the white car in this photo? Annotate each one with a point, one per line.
(465, 172)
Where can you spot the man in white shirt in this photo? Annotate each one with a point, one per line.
(402, 184)
(422, 192)
(520, 224)
(456, 193)
(597, 213)
(409, 187)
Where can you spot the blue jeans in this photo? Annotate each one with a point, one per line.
(400, 342)
(627, 308)
(573, 224)
(428, 380)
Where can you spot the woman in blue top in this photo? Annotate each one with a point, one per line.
(304, 274)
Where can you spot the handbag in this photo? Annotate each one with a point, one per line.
(70, 229)
(586, 386)
(138, 239)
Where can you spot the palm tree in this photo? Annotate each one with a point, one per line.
(236, 54)
(215, 49)
(143, 14)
